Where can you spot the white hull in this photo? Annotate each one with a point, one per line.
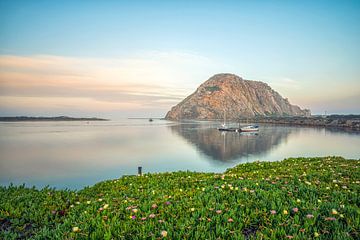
(249, 129)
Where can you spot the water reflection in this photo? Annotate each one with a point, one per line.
(76, 154)
(227, 146)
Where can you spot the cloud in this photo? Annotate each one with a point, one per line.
(286, 83)
(139, 82)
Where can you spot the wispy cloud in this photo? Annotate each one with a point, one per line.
(143, 81)
(286, 83)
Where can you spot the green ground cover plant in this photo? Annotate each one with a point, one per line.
(297, 198)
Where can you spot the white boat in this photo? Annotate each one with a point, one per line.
(250, 128)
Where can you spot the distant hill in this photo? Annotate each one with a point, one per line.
(236, 97)
(60, 118)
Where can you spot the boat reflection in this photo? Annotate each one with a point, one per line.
(228, 146)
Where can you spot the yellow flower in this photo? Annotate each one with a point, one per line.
(106, 206)
(316, 234)
(333, 211)
(192, 209)
(88, 202)
(76, 229)
(285, 212)
(298, 200)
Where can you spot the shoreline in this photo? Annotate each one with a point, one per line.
(348, 122)
(316, 121)
(48, 119)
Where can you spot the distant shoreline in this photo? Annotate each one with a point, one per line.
(55, 119)
(334, 121)
(350, 122)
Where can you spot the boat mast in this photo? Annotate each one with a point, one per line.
(224, 117)
(224, 123)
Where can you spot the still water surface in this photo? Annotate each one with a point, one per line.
(77, 154)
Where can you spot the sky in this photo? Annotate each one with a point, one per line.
(119, 59)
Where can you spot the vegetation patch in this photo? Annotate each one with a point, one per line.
(212, 88)
(302, 198)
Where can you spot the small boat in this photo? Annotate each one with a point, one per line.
(150, 120)
(250, 128)
(227, 129)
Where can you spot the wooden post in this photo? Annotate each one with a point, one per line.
(139, 171)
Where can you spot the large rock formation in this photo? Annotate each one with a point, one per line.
(236, 98)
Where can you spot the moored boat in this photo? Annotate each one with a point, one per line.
(250, 128)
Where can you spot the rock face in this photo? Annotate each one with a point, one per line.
(235, 97)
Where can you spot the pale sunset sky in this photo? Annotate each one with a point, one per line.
(117, 59)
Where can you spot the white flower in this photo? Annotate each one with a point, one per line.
(164, 233)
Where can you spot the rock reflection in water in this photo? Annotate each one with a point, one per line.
(227, 146)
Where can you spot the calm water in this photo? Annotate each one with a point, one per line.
(77, 154)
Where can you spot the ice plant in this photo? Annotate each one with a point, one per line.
(193, 211)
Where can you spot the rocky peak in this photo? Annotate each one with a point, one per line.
(230, 94)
